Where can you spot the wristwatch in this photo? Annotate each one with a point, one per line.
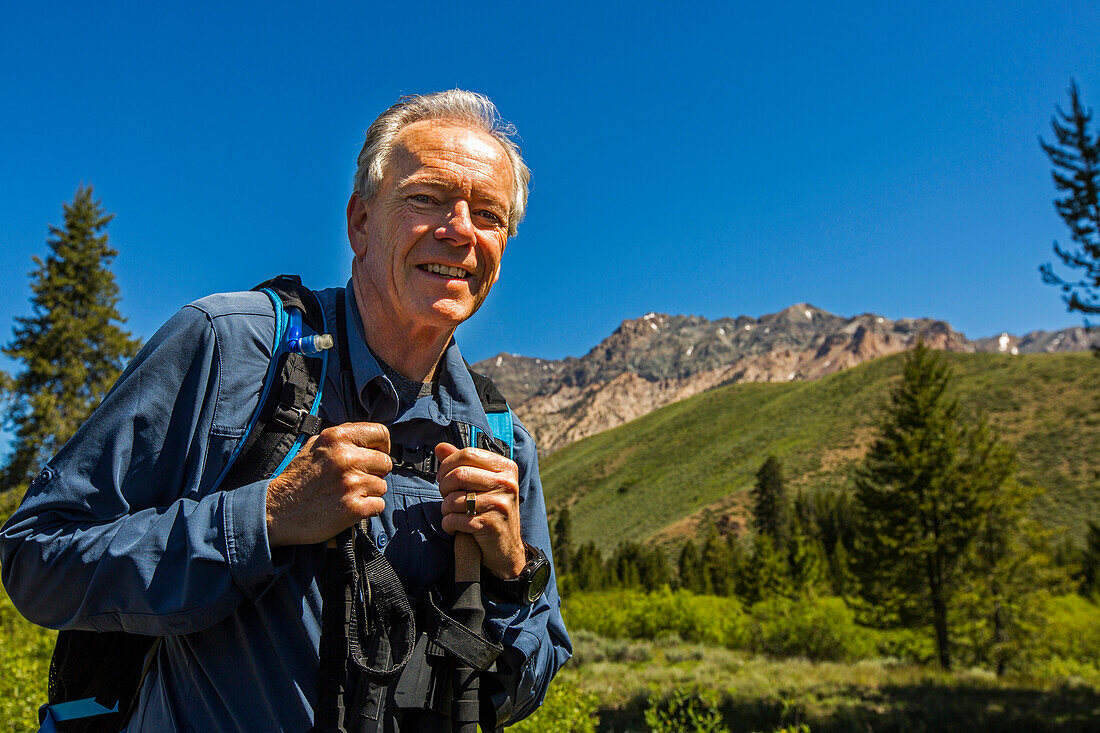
(525, 589)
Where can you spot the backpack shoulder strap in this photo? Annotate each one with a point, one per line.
(499, 415)
(286, 415)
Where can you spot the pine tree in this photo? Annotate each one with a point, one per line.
(1090, 562)
(1075, 155)
(72, 348)
(563, 542)
(1013, 575)
(588, 568)
(843, 581)
(916, 513)
(717, 564)
(690, 570)
(766, 575)
(770, 506)
(806, 559)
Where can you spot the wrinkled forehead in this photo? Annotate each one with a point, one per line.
(449, 147)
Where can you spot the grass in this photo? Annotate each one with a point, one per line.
(760, 693)
(688, 459)
(25, 652)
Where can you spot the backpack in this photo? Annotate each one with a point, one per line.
(95, 678)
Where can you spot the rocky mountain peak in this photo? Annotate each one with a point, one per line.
(650, 361)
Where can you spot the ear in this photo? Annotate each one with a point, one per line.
(357, 224)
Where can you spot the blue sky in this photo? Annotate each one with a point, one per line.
(714, 159)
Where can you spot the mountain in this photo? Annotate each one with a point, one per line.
(659, 359)
(657, 478)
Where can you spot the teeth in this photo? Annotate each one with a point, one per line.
(444, 270)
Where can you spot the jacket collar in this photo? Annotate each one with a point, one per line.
(454, 398)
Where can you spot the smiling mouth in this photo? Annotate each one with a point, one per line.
(445, 271)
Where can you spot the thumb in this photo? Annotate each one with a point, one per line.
(443, 451)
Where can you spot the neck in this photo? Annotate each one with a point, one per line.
(414, 352)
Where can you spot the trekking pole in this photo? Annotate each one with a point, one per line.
(469, 610)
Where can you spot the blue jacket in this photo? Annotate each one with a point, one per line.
(125, 529)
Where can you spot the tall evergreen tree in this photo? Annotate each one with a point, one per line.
(690, 570)
(72, 348)
(717, 564)
(1013, 577)
(771, 510)
(1090, 562)
(916, 513)
(1075, 155)
(588, 568)
(806, 560)
(767, 574)
(563, 542)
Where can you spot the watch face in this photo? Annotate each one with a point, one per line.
(540, 578)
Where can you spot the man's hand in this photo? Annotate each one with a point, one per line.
(338, 478)
(495, 481)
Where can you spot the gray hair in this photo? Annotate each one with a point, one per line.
(469, 108)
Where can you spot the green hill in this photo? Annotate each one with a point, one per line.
(656, 478)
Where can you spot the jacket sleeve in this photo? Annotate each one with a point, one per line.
(534, 638)
(122, 530)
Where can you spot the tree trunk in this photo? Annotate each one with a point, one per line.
(939, 617)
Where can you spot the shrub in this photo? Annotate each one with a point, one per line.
(692, 710)
(663, 613)
(1073, 630)
(566, 708)
(818, 629)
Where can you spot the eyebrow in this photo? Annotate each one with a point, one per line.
(431, 181)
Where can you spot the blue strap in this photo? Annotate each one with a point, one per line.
(277, 346)
(501, 425)
(71, 710)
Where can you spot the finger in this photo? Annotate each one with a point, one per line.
(485, 502)
(451, 457)
(463, 479)
(443, 451)
(364, 434)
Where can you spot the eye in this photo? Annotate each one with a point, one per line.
(490, 216)
(422, 198)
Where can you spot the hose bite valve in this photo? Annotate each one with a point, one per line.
(309, 345)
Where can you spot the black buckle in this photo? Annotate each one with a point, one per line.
(420, 460)
(297, 420)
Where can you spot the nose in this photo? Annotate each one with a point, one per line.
(459, 226)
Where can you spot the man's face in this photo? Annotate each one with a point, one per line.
(428, 244)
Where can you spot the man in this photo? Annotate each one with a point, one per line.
(128, 529)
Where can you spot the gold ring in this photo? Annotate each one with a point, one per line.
(471, 504)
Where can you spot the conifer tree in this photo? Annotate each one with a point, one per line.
(1075, 155)
(767, 574)
(770, 506)
(806, 559)
(690, 571)
(717, 564)
(588, 567)
(1090, 562)
(563, 542)
(72, 348)
(843, 581)
(916, 513)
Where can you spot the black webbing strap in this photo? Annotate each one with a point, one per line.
(285, 414)
(368, 631)
(463, 642)
(381, 632)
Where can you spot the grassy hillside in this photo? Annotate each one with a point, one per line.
(656, 477)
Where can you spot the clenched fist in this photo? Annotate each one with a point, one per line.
(338, 478)
(494, 481)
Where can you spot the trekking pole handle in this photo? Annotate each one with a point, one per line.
(467, 559)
